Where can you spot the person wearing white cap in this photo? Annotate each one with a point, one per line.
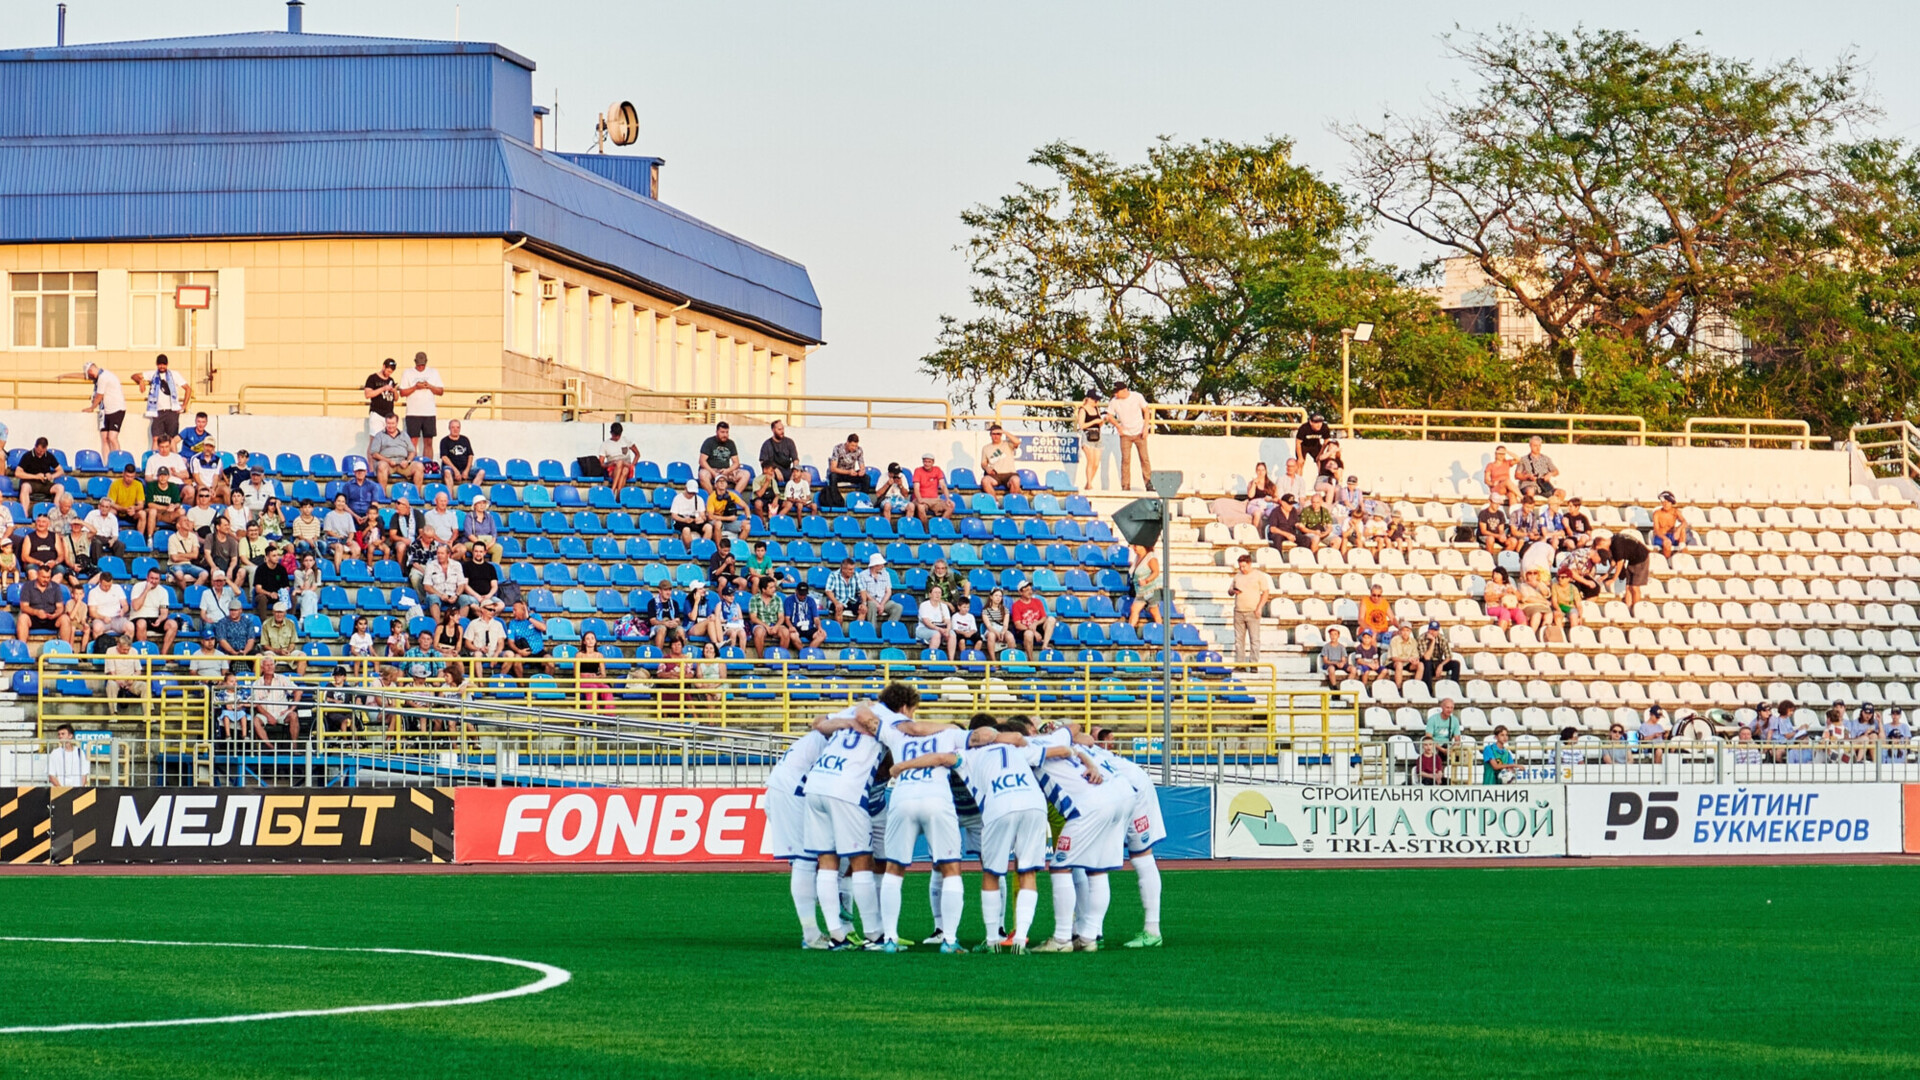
(689, 514)
(108, 404)
(932, 497)
(876, 593)
(280, 637)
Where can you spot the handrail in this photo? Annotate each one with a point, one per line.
(1796, 434)
(485, 402)
(712, 407)
(1267, 420)
(1896, 455)
(1429, 425)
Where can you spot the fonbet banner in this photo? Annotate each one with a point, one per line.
(610, 825)
(1766, 819)
(1308, 821)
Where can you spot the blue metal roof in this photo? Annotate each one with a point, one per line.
(198, 138)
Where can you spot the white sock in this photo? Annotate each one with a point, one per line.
(827, 889)
(992, 911)
(1023, 904)
(1083, 906)
(933, 901)
(1062, 906)
(890, 906)
(804, 884)
(1148, 872)
(867, 899)
(844, 889)
(953, 900)
(1102, 896)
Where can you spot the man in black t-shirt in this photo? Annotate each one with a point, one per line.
(43, 606)
(270, 579)
(482, 579)
(38, 473)
(778, 455)
(1631, 563)
(1496, 532)
(1309, 437)
(381, 392)
(456, 456)
(719, 458)
(1576, 522)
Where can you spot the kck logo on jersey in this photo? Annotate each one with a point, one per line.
(831, 762)
(1009, 782)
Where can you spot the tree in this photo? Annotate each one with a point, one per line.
(1614, 187)
(1213, 273)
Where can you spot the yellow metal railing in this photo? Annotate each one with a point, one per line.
(1892, 449)
(486, 403)
(797, 409)
(1750, 433)
(1191, 418)
(1445, 424)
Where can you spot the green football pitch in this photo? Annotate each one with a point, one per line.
(1563, 971)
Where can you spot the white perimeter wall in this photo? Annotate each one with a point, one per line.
(1212, 463)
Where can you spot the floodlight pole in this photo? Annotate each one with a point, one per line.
(1346, 381)
(1166, 642)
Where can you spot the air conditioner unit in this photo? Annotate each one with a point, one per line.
(549, 289)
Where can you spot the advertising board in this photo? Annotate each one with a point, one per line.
(1765, 819)
(1322, 821)
(610, 825)
(124, 825)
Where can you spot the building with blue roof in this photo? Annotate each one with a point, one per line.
(347, 199)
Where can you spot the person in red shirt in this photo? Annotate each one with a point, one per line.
(1031, 623)
(931, 497)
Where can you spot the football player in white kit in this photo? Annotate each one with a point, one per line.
(1093, 839)
(786, 810)
(968, 808)
(921, 806)
(1145, 827)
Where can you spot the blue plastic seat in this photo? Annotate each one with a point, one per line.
(520, 470)
(963, 480)
(1079, 506)
(567, 495)
(983, 505)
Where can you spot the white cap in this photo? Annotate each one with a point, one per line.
(693, 487)
(876, 559)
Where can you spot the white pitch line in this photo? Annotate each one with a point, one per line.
(550, 977)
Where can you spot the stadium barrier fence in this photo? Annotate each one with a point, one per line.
(1892, 450)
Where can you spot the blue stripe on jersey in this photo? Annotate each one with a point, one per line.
(965, 800)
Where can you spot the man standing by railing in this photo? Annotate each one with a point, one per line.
(1128, 412)
(422, 386)
(108, 404)
(167, 394)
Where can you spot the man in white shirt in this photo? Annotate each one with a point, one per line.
(422, 387)
(218, 599)
(274, 698)
(108, 404)
(618, 456)
(107, 608)
(485, 636)
(443, 519)
(442, 581)
(165, 455)
(103, 526)
(1127, 412)
(124, 677)
(67, 761)
(148, 611)
(688, 514)
(255, 490)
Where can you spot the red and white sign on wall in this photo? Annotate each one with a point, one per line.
(609, 825)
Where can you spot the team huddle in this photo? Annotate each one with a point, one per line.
(867, 783)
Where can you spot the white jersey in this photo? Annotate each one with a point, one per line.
(1120, 768)
(846, 762)
(790, 772)
(1065, 783)
(1000, 776)
(928, 785)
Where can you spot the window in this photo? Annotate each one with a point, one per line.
(152, 320)
(55, 311)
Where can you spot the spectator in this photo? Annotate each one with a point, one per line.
(796, 497)
(1376, 613)
(304, 586)
(1331, 466)
(1130, 416)
(1250, 589)
(253, 492)
(442, 583)
(1335, 664)
(1566, 600)
(67, 762)
(934, 628)
(1368, 662)
(390, 452)
(618, 457)
(223, 553)
(876, 593)
(1316, 524)
(1575, 523)
(191, 438)
(767, 619)
(419, 558)
(527, 639)
(720, 457)
(381, 392)
(108, 403)
(803, 617)
(723, 568)
(404, 526)
(1899, 735)
(1088, 417)
(1498, 476)
(125, 676)
(759, 566)
(480, 529)
(61, 520)
(1443, 724)
(996, 624)
(1143, 579)
(1297, 480)
(206, 473)
(1502, 600)
(233, 634)
(339, 529)
(482, 580)
(843, 592)
(167, 394)
(1535, 471)
(727, 513)
(999, 462)
(688, 514)
(443, 519)
(1652, 733)
(1282, 528)
(1630, 561)
(729, 618)
(1497, 761)
(201, 513)
(1347, 499)
(456, 454)
(40, 549)
(1863, 730)
(1494, 531)
(279, 637)
(422, 387)
(186, 559)
(1031, 622)
(305, 530)
(39, 474)
(147, 610)
(1536, 602)
(949, 581)
(778, 454)
(1262, 492)
(107, 609)
(1433, 762)
(127, 498)
(1436, 655)
(363, 494)
(485, 637)
(1616, 751)
(1403, 656)
(1669, 526)
(895, 494)
(1309, 438)
(966, 629)
(275, 717)
(846, 468)
(1578, 567)
(165, 457)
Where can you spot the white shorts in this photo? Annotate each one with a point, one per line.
(1095, 839)
(908, 821)
(787, 823)
(1019, 838)
(1145, 826)
(970, 836)
(835, 827)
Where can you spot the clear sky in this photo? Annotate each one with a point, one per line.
(850, 135)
